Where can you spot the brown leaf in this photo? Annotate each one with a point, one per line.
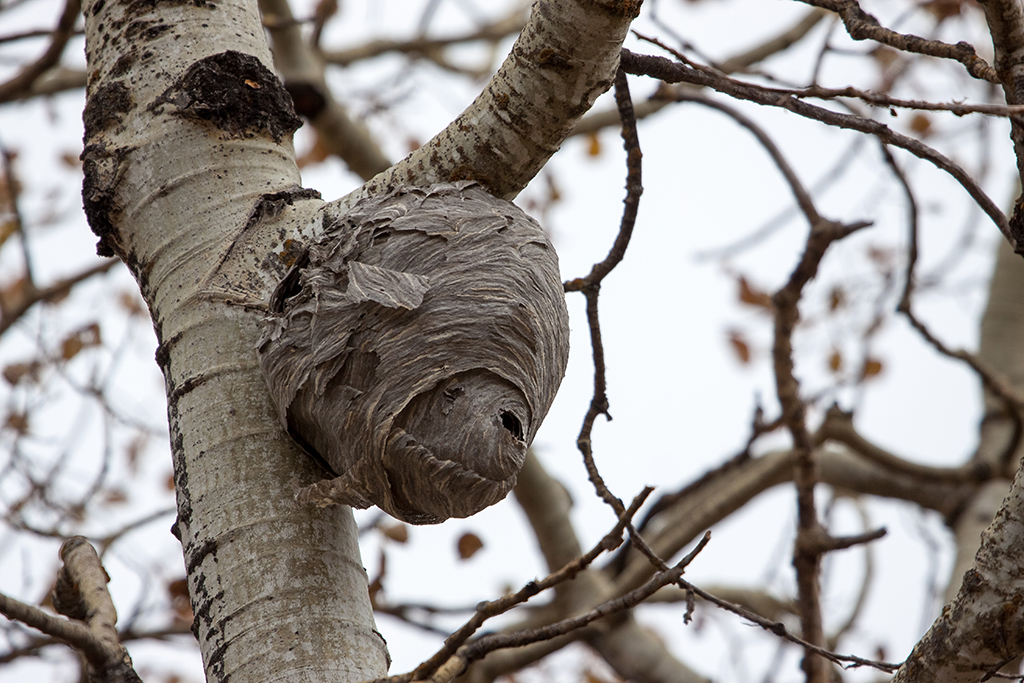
(80, 339)
(593, 145)
(115, 496)
(17, 422)
(921, 124)
(884, 56)
(15, 372)
(943, 9)
(169, 482)
(872, 368)
(181, 606)
(131, 303)
(12, 296)
(835, 361)
(739, 346)
(7, 228)
(71, 159)
(469, 544)
(752, 296)
(71, 346)
(836, 298)
(132, 451)
(399, 533)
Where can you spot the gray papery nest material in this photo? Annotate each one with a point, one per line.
(416, 349)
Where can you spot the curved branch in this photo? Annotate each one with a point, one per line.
(672, 72)
(862, 26)
(303, 75)
(492, 32)
(564, 59)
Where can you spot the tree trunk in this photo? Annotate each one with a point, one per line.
(190, 179)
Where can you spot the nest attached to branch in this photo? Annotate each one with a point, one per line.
(416, 349)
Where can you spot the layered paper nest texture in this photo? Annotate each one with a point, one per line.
(416, 349)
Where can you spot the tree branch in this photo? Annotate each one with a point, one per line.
(21, 84)
(81, 595)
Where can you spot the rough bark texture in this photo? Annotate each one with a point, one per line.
(417, 348)
(187, 145)
(190, 178)
(983, 628)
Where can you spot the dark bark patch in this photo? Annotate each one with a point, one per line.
(106, 107)
(270, 205)
(124, 63)
(552, 59)
(236, 94)
(102, 170)
(307, 98)
(136, 7)
(146, 30)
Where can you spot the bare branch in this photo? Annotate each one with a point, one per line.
(863, 26)
(81, 595)
(500, 29)
(22, 83)
(303, 76)
(671, 72)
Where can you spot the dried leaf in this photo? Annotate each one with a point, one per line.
(16, 372)
(377, 585)
(17, 422)
(12, 296)
(169, 482)
(739, 346)
(469, 544)
(943, 9)
(181, 606)
(921, 124)
(115, 496)
(593, 145)
(836, 298)
(399, 533)
(71, 346)
(753, 296)
(131, 303)
(71, 159)
(880, 256)
(132, 451)
(82, 338)
(872, 368)
(835, 361)
(7, 228)
(884, 56)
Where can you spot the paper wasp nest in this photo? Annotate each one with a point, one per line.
(416, 350)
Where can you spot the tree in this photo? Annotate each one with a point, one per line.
(276, 587)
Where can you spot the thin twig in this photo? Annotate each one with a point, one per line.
(812, 541)
(487, 610)
(22, 82)
(672, 72)
(862, 26)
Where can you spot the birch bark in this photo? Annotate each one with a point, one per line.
(190, 179)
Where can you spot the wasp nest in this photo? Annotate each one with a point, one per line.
(416, 349)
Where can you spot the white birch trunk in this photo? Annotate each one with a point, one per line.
(191, 180)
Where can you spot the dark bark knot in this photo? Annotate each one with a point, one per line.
(235, 93)
(416, 349)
